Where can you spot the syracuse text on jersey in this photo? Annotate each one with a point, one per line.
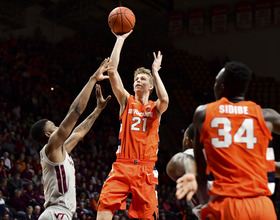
(141, 114)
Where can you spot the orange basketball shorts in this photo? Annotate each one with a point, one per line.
(229, 208)
(140, 180)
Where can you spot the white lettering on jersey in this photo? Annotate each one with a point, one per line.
(141, 114)
(232, 109)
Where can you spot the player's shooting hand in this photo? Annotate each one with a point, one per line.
(104, 66)
(157, 62)
(101, 103)
(123, 36)
(186, 186)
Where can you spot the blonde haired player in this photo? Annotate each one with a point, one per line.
(58, 142)
(134, 170)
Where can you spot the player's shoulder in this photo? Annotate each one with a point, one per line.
(269, 113)
(200, 111)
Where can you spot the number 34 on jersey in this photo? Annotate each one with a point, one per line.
(244, 134)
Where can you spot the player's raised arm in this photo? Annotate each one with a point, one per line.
(115, 79)
(82, 129)
(163, 99)
(58, 137)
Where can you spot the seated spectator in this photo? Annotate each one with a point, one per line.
(7, 162)
(18, 204)
(82, 190)
(82, 209)
(15, 183)
(3, 173)
(29, 195)
(9, 145)
(90, 191)
(37, 179)
(4, 188)
(27, 174)
(3, 208)
(6, 216)
(4, 136)
(28, 213)
(21, 161)
(93, 205)
(39, 195)
(12, 159)
(36, 165)
(15, 169)
(37, 212)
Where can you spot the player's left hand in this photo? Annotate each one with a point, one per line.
(186, 186)
(157, 61)
(101, 103)
(104, 66)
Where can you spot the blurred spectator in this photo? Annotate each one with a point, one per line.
(12, 160)
(29, 195)
(36, 165)
(17, 202)
(3, 173)
(4, 188)
(36, 212)
(5, 216)
(21, 160)
(94, 203)
(4, 136)
(27, 174)
(15, 169)
(28, 213)
(37, 179)
(3, 208)
(82, 209)
(15, 183)
(39, 195)
(9, 146)
(90, 191)
(6, 160)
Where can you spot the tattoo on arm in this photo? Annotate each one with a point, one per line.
(86, 124)
(89, 122)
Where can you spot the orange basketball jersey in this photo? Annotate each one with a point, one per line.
(235, 141)
(138, 137)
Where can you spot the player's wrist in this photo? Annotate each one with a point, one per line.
(93, 78)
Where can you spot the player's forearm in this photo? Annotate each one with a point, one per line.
(83, 128)
(80, 102)
(115, 55)
(160, 89)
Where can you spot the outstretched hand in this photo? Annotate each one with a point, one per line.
(186, 186)
(123, 36)
(104, 66)
(157, 61)
(101, 103)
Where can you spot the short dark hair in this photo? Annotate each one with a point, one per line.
(37, 131)
(237, 77)
(190, 131)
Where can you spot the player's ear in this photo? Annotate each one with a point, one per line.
(48, 134)
(190, 143)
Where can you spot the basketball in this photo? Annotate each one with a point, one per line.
(121, 20)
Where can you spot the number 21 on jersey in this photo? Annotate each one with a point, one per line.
(244, 134)
(136, 126)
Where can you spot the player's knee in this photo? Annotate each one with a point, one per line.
(104, 215)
